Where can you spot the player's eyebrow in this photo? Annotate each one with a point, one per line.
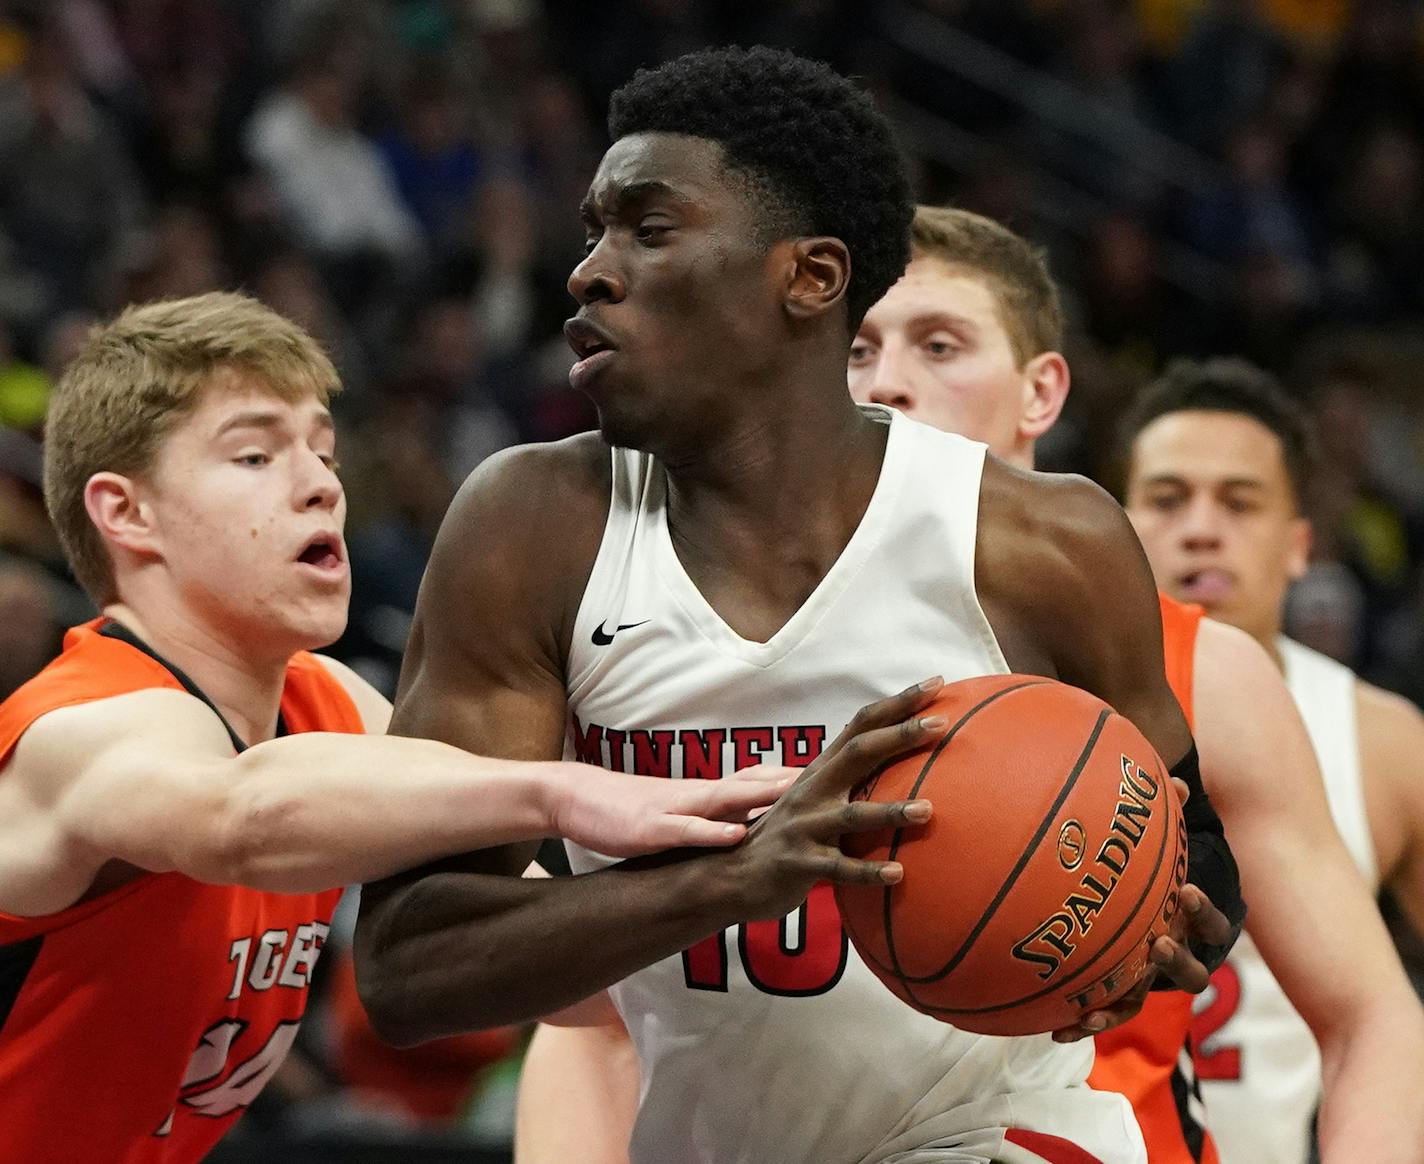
(619, 197)
(267, 418)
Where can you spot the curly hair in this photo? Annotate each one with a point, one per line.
(813, 150)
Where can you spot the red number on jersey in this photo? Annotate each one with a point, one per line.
(803, 953)
(1218, 1062)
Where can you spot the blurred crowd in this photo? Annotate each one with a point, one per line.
(401, 177)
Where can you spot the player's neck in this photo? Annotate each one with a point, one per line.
(771, 474)
(245, 688)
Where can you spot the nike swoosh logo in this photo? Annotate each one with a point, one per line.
(601, 637)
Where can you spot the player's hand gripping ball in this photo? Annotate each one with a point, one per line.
(1055, 857)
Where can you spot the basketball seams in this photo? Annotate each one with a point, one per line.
(925, 770)
(1024, 857)
(1086, 966)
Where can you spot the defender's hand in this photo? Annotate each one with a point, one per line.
(797, 843)
(623, 816)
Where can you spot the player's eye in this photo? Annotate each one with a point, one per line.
(861, 353)
(253, 459)
(650, 232)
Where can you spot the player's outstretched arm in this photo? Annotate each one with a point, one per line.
(469, 944)
(1066, 585)
(150, 778)
(1312, 915)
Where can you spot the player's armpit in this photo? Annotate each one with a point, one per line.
(1312, 915)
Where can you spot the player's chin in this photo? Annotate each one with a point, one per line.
(319, 624)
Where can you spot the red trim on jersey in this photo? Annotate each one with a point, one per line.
(1053, 1149)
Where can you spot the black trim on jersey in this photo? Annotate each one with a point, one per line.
(17, 959)
(1183, 1089)
(117, 630)
(554, 859)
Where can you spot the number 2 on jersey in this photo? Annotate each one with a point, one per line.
(1218, 1062)
(804, 953)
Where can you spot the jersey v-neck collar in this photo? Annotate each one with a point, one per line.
(863, 542)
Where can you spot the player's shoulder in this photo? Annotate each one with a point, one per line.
(1387, 721)
(65, 739)
(550, 480)
(1224, 652)
(374, 708)
(1037, 529)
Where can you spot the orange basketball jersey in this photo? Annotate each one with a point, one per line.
(137, 1025)
(1149, 1059)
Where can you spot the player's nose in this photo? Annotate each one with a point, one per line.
(889, 387)
(1201, 524)
(597, 278)
(319, 487)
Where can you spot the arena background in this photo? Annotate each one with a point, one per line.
(401, 177)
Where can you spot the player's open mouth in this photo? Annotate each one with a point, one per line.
(1206, 585)
(593, 347)
(325, 552)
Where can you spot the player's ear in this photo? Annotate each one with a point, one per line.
(817, 275)
(1301, 538)
(1045, 388)
(116, 508)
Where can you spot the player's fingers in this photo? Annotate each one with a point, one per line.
(1094, 1022)
(730, 799)
(673, 832)
(861, 816)
(891, 710)
(873, 749)
(1183, 792)
(1180, 965)
(835, 866)
(766, 774)
(1204, 922)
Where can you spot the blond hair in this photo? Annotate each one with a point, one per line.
(135, 377)
(1015, 271)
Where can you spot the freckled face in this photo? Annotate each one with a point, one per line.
(249, 513)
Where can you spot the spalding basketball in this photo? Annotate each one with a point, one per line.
(1055, 856)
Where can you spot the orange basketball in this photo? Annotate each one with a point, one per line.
(1055, 856)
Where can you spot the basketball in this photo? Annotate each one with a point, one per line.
(1055, 856)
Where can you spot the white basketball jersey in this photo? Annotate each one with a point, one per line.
(772, 1041)
(1256, 1058)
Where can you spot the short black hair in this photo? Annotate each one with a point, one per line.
(818, 155)
(1228, 384)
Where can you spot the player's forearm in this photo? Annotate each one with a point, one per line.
(318, 810)
(1373, 1080)
(452, 951)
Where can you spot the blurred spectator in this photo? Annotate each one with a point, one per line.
(431, 151)
(30, 629)
(70, 203)
(330, 179)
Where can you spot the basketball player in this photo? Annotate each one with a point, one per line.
(968, 340)
(1218, 467)
(165, 887)
(751, 559)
